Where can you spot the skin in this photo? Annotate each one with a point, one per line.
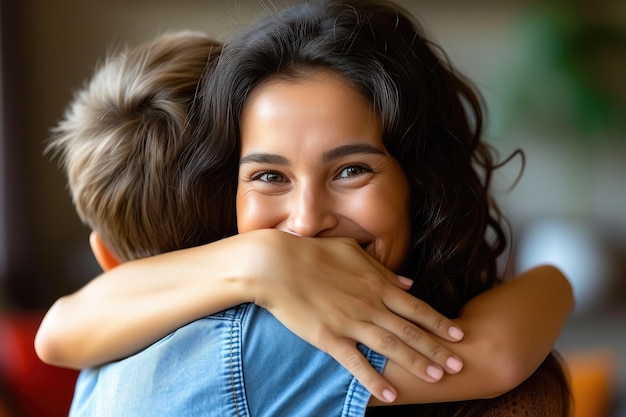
(303, 207)
(318, 168)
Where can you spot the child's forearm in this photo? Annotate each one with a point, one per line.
(509, 331)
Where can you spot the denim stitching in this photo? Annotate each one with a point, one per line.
(232, 369)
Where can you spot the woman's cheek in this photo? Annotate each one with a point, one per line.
(250, 213)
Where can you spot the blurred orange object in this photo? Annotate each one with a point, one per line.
(593, 380)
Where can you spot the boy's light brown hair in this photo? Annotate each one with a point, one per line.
(123, 144)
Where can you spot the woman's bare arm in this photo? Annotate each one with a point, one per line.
(328, 291)
(509, 331)
(140, 302)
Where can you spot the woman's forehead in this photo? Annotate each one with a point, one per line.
(323, 107)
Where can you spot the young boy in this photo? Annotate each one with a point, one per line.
(122, 144)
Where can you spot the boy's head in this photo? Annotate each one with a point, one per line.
(122, 143)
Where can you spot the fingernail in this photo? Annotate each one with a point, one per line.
(405, 281)
(389, 395)
(456, 333)
(454, 363)
(434, 372)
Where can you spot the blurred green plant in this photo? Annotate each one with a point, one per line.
(574, 70)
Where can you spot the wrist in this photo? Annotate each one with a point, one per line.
(249, 257)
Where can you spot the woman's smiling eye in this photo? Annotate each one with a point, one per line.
(353, 171)
(269, 176)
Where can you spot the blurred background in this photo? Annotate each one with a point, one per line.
(554, 78)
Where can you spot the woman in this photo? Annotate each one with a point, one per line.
(426, 129)
(409, 147)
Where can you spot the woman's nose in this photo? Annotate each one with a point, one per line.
(310, 212)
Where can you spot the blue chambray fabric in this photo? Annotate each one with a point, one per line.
(240, 362)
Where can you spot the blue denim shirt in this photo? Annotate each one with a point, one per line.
(240, 362)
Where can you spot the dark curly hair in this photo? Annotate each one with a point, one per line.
(432, 123)
(432, 119)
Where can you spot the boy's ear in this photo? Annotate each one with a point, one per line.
(103, 255)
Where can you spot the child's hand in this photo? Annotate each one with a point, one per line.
(332, 294)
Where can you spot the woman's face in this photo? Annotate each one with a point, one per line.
(313, 163)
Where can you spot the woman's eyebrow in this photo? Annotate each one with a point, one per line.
(339, 152)
(346, 150)
(264, 158)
